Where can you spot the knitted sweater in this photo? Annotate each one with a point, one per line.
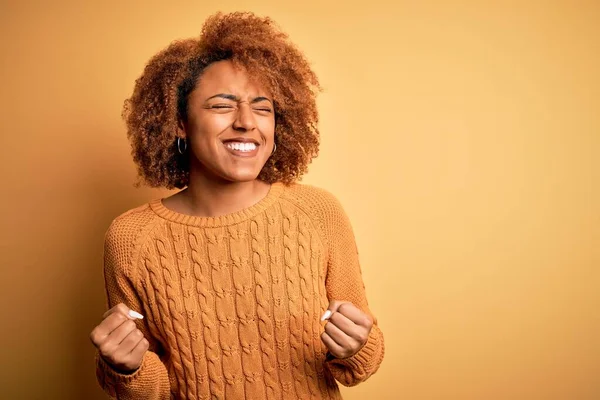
(232, 304)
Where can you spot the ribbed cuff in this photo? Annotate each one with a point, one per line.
(118, 377)
(362, 358)
(356, 369)
(150, 381)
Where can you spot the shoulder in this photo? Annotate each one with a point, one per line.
(320, 205)
(130, 222)
(311, 198)
(126, 232)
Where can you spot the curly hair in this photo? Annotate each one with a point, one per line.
(160, 98)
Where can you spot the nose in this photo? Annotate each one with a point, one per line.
(244, 119)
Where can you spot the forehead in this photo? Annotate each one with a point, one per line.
(225, 77)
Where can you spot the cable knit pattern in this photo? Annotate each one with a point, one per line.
(232, 304)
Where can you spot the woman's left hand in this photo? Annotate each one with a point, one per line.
(347, 329)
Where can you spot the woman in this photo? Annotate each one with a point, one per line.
(243, 285)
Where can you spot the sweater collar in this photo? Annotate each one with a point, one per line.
(223, 220)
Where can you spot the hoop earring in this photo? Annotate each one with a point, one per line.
(274, 148)
(179, 146)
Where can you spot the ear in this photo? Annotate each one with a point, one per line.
(181, 131)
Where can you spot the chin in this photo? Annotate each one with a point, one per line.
(241, 176)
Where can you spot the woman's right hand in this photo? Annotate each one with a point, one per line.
(119, 341)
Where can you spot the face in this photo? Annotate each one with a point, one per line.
(230, 127)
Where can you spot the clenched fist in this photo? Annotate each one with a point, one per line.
(347, 329)
(118, 340)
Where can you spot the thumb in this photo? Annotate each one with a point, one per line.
(333, 307)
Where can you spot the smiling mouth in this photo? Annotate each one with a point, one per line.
(242, 149)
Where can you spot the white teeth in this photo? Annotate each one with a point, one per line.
(238, 146)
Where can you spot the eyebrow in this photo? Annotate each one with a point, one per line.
(232, 97)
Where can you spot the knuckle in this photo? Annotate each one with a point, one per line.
(348, 343)
(94, 336)
(120, 317)
(118, 356)
(106, 349)
(132, 361)
(330, 328)
(135, 359)
(362, 336)
(126, 359)
(110, 357)
(337, 319)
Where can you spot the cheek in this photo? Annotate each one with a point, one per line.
(212, 124)
(267, 127)
(205, 130)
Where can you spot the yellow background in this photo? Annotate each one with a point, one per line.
(462, 139)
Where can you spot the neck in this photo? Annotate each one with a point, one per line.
(206, 197)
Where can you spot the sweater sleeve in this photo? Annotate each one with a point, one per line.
(344, 282)
(151, 380)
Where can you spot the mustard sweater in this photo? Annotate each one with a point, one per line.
(232, 304)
